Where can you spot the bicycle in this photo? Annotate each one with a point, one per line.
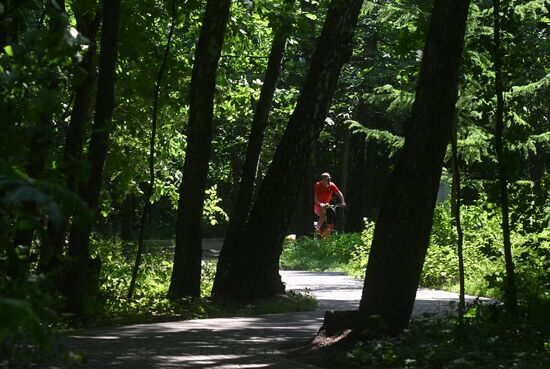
(330, 221)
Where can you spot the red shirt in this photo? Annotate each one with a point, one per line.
(324, 194)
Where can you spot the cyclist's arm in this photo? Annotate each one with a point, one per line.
(341, 197)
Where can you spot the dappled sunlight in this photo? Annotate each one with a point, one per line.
(243, 342)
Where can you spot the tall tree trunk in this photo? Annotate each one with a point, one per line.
(77, 280)
(456, 203)
(127, 209)
(345, 179)
(357, 185)
(404, 224)
(87, 22)
(150, 185)
(511, 293)
(243, 202)
(186, 272)
(372, 175)
(256, 272)
(304, 206)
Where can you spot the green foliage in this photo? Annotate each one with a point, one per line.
(483, 252)
(150, 296)
(360, 254)
(212, 210)
(331, 253)
(150, 302)
(392, 142)
(488, 341)
(28, 317)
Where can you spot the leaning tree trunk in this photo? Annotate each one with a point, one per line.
(256, 271)
(404, 224)
(186, 273)
(510, 297)
(77, 279)
(241, 207)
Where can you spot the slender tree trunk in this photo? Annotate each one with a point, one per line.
(243, 202)
(127, 209)
(305, 213)
(256, 272)
(456, 204)
(536, 170)
(150, 185)
(404, 224)
(511, 293)
(186, 273)
(77, 280)
(345, 179)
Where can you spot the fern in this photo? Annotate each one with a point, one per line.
(530, 88)
(392, 142)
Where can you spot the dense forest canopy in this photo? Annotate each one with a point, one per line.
(95, 94)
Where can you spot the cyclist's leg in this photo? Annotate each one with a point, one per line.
(330, 216)
(321, 213)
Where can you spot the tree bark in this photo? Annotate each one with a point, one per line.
(243, 202)
(510, 297)
(404, 224)
(345, 179)
(304, 206)
(357, 184)
(186, 273)
(256, 272)
(77, 280)
(456, 203)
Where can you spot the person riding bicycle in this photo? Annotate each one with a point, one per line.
(322, 195)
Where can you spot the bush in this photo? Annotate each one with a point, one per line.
(150, 296)
(150, 301)
(332, 253)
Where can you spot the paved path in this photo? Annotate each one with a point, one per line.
(250, 342)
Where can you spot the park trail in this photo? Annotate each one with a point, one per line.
(238, 342)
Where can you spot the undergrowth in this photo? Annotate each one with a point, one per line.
(150, 301)
(486, 339)
(483, 253)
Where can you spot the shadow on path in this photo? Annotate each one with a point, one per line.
(240, 342)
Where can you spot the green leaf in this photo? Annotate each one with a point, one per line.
(8, 49)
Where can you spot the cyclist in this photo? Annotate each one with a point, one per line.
(322, 195)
